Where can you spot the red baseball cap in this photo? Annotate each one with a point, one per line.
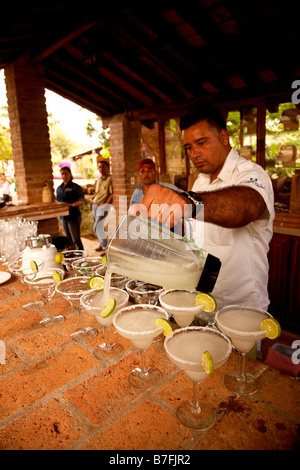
(146, 163)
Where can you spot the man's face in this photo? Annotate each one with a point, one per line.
(147, 175)
(103, 169)
(206, 147)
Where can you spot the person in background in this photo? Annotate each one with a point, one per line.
(100, 204)
(4, 188)
(238, 202)
(147, 175)
(71, 193)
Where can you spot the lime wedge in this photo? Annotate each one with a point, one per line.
(208, 363)
(165, 325)
(272, 326)
(59, 258)
(108, 308)
(207, 300)
(96, 282)
(57, 277)
(34, 266)
(103, 259)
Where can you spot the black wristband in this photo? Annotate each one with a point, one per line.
(195, 199)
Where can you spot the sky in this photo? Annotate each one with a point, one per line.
(72, 118)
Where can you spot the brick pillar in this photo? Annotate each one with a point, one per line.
(126, 152)
(29, 130)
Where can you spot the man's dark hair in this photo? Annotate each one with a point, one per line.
(201, 112)
(104, 161)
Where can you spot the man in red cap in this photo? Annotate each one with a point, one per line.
(147, 176)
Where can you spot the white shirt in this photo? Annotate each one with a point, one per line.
(243, 278)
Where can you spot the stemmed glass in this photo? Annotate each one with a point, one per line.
(72, 255)
(143, 292)
(21, 268)
(72, 290)
(180, 304)
(45, 284)
(242, 325)
(93, 302)
(116, 280)
(137, 323)
(185, 348)
(86, 266)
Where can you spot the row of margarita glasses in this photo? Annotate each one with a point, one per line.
(239, 325)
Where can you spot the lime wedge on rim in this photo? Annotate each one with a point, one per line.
(57, 277)
(108, 308)
(208, 363)
(207, 300)
(165, 325)
(96, 282)
(34, 266)
(272, 326)
(103, 259)
(59, 258)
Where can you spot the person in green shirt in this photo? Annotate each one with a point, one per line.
(101, 200)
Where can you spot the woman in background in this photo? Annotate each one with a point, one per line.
(71, 193)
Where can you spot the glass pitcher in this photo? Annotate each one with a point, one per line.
(144, 250)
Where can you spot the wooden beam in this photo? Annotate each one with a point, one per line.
(161, 145)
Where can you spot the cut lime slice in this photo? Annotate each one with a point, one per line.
(207, 300)
(57, 277)
(272, 326)
(103, 259)
(165, 325)
(59, 258)
(108, 308)
(34, 266)
(96, 282)
(208, 363)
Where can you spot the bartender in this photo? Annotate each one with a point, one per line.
(238, 202)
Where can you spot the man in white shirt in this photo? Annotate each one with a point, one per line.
(238, 208)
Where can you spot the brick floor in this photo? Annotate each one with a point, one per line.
(54, 394)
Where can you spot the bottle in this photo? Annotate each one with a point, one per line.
(46, 193)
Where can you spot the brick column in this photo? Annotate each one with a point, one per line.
(30, 135)
(125, 151)
(29, 129)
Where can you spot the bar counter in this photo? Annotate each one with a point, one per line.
(55, 395)
(38, 211)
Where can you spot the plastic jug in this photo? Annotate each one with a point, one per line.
(144, 250)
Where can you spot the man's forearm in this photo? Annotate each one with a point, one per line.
(232, 207)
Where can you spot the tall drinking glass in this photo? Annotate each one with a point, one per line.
(137, 323)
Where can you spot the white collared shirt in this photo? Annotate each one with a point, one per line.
(243, 278)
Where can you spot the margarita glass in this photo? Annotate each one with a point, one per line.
(185, 348)
(20, 270)
(45, 284)
(70, 256)
(143, 292)
(93, 302)
(86, 266)
(72, 290)
(137, 323)
(242, 325)
(117, 280)
(180, 304)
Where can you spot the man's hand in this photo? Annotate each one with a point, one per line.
(163, 205)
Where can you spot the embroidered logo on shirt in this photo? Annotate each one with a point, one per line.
(254, 181)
